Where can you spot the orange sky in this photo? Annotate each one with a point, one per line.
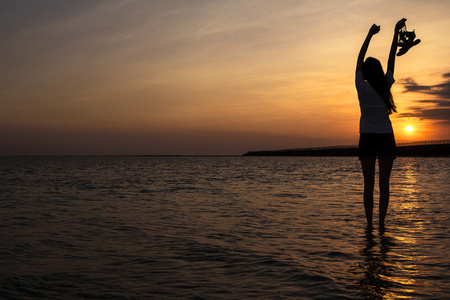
(209, 77)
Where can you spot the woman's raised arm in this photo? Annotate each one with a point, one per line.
(362, 53)
(391, 61)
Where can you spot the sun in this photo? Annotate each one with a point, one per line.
(409, 128)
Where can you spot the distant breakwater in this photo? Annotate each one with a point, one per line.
(413, 149)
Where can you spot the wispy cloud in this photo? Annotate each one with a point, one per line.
(440, 106)
(441, 90)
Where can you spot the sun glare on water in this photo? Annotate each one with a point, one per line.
(409, 128)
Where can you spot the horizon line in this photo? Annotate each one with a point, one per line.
(402, 144)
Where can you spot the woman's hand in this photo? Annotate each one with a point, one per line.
(374, 29)
(400, 24)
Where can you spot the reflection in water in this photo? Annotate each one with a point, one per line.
(408, 202)
(407, 194)
(375, 271)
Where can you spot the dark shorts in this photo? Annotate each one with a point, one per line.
(372, 145)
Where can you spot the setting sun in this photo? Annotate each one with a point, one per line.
(409, 128)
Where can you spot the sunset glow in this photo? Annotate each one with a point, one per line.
(208, 77)
(409, 128)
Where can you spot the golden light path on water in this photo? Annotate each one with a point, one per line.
(410, 235)
(410, 205)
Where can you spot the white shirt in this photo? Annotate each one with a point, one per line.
(374, 112)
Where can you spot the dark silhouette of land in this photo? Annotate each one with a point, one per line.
(421, 149)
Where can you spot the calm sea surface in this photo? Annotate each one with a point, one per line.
(219, 228)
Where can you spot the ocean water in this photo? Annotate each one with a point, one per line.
(219, 228)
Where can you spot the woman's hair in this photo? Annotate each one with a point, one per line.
(374, 74)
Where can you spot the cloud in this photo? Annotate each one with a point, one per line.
(436, 114)
(441, 90)
(440, 106)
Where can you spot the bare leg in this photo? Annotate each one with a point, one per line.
(385, 174)
(368, 166)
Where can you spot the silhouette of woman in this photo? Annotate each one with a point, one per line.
(376, 133)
